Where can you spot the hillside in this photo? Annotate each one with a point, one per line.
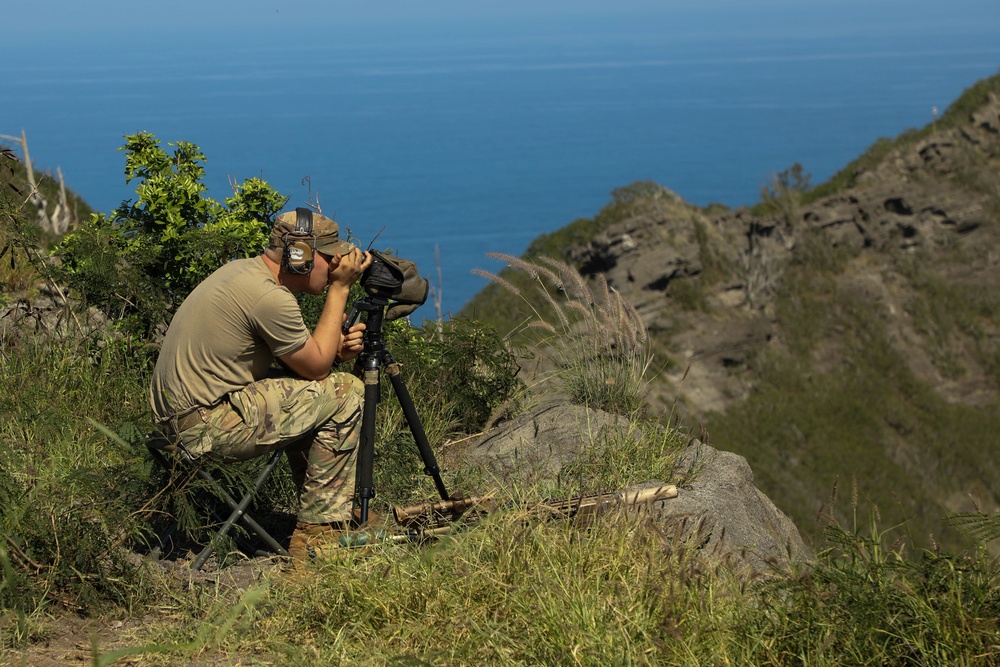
(842, 336)
(56, 207)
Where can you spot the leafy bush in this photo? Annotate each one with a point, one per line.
(139, 262)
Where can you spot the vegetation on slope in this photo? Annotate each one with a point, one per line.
(14, 179)
(76, 494)
(839, 399)
(22, 241)
(954, 116)
(834, 396)
(865, 416)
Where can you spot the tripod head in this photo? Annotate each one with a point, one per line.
(374, 307)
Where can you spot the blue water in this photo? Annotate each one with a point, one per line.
(457, 140)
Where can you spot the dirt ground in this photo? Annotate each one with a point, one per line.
(70, 639)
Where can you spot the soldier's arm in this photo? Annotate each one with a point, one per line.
(313, 360)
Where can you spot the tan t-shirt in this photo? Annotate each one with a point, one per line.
(224, 336)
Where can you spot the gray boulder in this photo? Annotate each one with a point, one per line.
(722, 512)
(718, 510)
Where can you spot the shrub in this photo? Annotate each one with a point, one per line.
(783, 194)
(139, 262)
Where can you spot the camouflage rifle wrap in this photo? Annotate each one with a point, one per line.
(438, 517)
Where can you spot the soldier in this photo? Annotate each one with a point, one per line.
(214, 389)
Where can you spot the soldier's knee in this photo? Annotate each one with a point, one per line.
(357, 386)
(344, 385)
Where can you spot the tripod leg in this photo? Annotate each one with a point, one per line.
(366, 449)
(413, 421)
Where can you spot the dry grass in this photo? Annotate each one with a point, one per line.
(595, 338)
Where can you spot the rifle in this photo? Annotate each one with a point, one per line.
(433, 518)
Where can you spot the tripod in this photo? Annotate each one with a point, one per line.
(372, 359)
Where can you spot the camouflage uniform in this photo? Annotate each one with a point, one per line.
(213, 390)
(319, 423)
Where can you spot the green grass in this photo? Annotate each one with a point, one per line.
(68, 495)
(867, 603)
(837, 400)
(512, 590)
(619, 591)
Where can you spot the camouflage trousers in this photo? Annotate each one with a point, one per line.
(317, 422)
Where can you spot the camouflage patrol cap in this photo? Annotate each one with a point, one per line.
(326, 231)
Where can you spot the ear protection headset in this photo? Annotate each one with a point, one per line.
(300, 245)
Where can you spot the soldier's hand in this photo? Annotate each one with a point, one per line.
(352, 342)
(345, 269)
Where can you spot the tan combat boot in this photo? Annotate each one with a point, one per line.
(308, 537)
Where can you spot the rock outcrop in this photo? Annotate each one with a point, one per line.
(931, 197)
(718, 509)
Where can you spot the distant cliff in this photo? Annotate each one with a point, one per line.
(844, 338)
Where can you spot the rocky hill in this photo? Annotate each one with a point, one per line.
(838, 337)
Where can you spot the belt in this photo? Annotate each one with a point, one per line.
(192, 418)
(180, 423)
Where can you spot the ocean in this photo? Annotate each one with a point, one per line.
(449, 141)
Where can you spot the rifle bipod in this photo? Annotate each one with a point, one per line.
(372, 360)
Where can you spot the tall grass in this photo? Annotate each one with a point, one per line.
(621, 591)
(68, 494)
(513, 591)
(868, 602)
(595, 339)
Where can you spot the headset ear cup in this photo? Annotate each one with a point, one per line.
(299, 257)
